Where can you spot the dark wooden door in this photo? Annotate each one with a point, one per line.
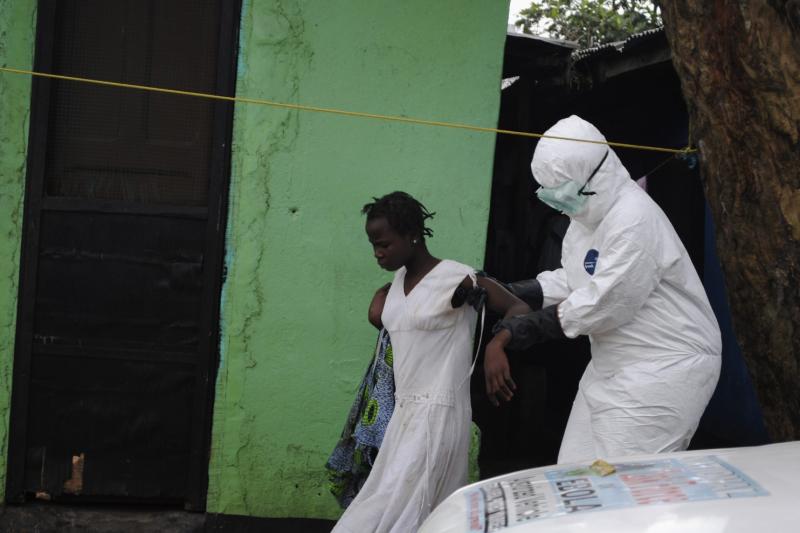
(116, 342)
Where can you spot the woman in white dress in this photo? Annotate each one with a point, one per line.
(423, 457)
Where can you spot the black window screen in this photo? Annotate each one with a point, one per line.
(109, 143)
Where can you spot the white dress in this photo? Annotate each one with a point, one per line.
(423, 457)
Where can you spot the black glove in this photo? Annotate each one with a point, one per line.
(475, 297)
(529, 291)
(533, 328)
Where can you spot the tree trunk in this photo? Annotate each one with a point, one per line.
(739, 65)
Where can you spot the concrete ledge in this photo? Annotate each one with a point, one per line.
(49, 517)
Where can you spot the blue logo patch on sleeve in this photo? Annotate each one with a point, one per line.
(590, 261)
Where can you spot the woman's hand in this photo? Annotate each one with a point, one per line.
(496, 369)
(376, 306)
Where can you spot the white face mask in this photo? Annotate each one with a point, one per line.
(569, 197)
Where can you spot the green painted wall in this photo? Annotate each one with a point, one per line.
(295, 340)
(17, 30)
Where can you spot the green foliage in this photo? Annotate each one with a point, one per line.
(589, 23)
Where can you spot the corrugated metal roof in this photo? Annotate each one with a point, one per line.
(618, 46)
(548, 40)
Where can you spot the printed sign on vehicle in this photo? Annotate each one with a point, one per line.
(556, 492)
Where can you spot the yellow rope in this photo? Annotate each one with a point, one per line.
(300, 107)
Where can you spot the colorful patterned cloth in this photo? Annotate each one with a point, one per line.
(352, 458)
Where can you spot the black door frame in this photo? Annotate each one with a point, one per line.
(213, 273)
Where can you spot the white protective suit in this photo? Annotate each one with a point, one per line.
(627, 282)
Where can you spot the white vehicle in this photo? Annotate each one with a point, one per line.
(732, 490)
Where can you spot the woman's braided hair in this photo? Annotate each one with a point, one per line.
(405, 214)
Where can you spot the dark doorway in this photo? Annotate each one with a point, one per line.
(524, 238)
(116, 345)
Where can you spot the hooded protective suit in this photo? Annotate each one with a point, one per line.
(627, 282)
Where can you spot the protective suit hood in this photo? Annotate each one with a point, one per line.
(556, 161)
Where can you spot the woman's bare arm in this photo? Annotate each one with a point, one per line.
(376, 306)
(496, 368)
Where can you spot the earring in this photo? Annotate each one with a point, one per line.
(414, 241)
